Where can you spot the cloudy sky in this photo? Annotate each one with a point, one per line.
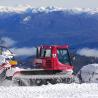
(57, 3)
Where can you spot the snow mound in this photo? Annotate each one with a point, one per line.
(89, 73)
(90, 68)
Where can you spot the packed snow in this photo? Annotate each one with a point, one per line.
(85, 90)
(51, 91)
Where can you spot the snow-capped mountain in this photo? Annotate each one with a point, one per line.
(29, 26)
(23, 8)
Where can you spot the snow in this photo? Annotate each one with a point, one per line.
(90, 68)
(24, 8)
(18, 9)
(89, 73)
(26, 19)
(85, 90)
(51, 91)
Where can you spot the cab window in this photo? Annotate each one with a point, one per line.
(63, 56)
(46, 53)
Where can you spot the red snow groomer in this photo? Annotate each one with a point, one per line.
(52, 65)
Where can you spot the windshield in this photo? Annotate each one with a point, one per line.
(63, 56)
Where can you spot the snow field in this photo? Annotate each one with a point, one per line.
(51, 91)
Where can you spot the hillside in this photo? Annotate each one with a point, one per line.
(30, 27)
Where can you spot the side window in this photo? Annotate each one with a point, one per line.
(46, 53)
(42, 53)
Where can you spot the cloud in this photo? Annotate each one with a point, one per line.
(24, 51)
(88, 52)
(7, 42)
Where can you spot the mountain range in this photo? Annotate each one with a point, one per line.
(30, 26)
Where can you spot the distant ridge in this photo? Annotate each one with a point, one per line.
(23, 8)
